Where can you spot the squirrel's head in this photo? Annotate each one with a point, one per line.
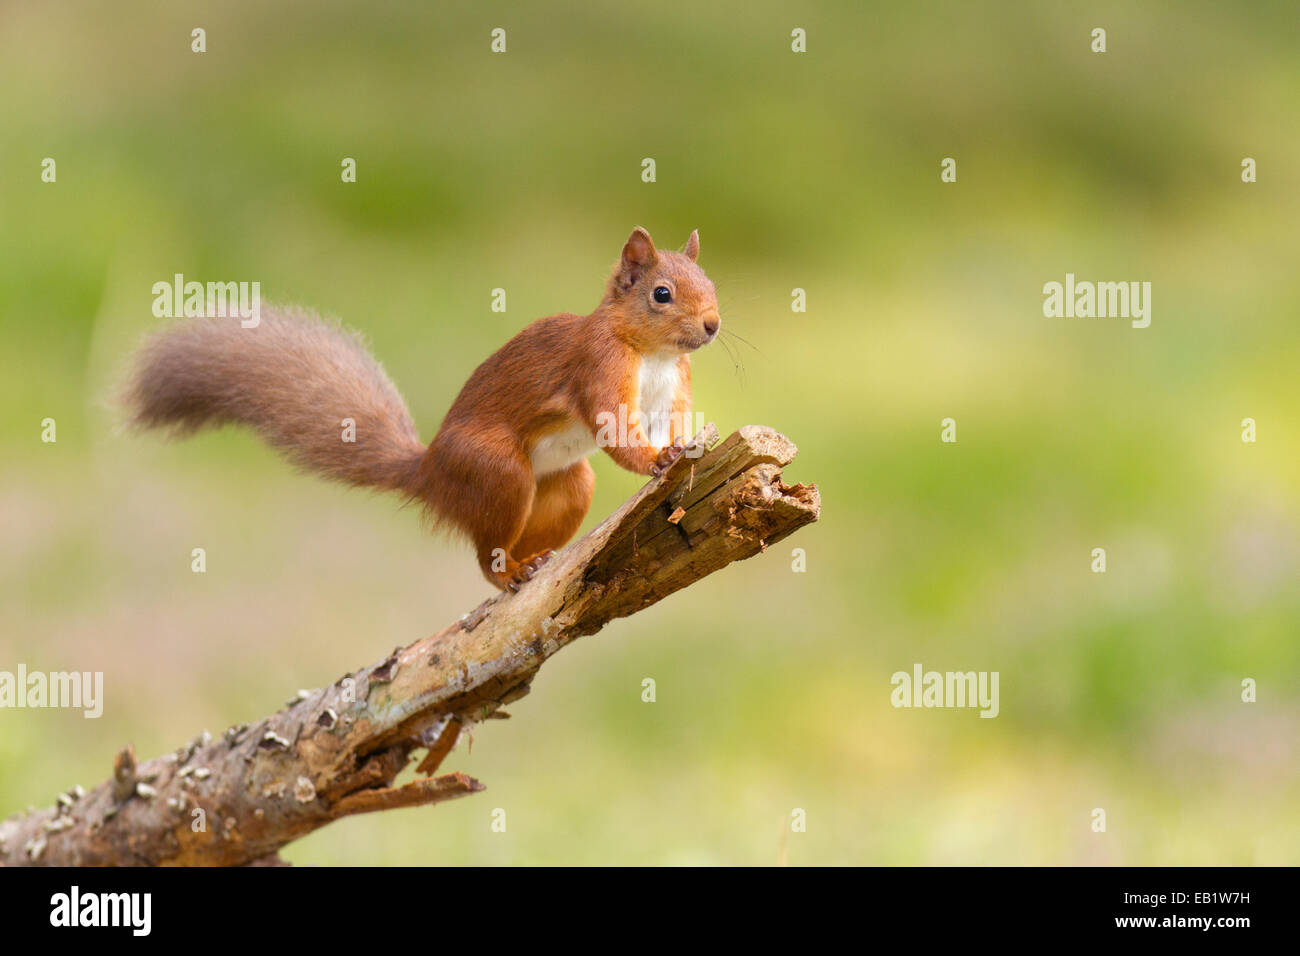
(669, 303)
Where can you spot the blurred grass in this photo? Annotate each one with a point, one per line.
(817, 171)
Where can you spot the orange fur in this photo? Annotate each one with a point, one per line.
(539, 398)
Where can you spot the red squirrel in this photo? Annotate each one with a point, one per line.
(508, 468)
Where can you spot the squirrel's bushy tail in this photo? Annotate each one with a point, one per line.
(294, 378)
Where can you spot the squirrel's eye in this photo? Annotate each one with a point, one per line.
(663, 294)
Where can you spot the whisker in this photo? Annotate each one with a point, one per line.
(736, 363)
(739, 337)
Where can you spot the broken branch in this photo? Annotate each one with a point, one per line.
(336, 752)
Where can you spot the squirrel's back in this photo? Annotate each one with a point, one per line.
(545, 364)
(295, 379)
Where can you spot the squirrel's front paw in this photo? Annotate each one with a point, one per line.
(667, 456)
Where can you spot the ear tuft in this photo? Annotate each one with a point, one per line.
(693, 245)
(639, 256)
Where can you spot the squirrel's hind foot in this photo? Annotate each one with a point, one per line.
(526, 569)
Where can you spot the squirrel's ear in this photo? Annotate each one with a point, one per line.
(639, 255)
(693, 245)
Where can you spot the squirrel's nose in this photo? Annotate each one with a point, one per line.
(711, 326)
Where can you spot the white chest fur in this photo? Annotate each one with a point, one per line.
(658, 381)
(657, 384)
(559, 450)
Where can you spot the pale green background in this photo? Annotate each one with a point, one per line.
(818, 171)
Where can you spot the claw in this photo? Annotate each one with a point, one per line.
(667, 456)
(527, 569)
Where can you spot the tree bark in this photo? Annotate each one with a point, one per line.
(336, 751)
